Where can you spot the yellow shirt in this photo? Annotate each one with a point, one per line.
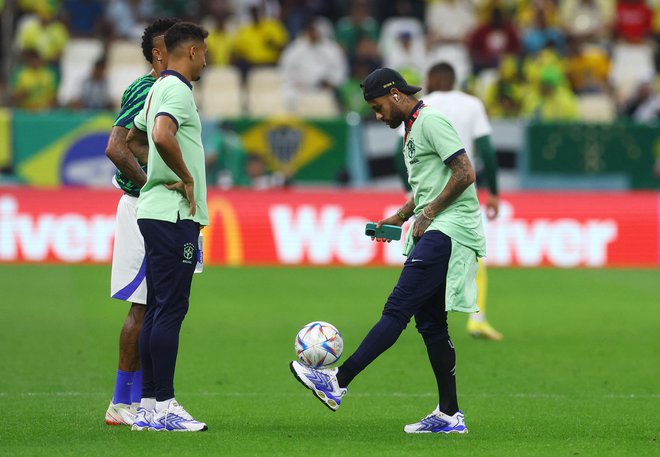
(35, 88)
(220, 45)
(261, 43)
(48, 40)
(560, 106)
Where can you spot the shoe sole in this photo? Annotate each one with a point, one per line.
(323, 398)
(114, 421)
(429, 432)
(183, 430)
(486, 336)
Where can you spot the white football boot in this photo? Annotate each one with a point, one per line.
(120, 414)
(144, 420)
(177, 419)
(323, 383)
(438, 422)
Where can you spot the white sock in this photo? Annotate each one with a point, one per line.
(148, 403)
(478, 317)
(163, 405)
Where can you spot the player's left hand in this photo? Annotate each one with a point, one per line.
(492, 207)
(421, 224)
(188, 191)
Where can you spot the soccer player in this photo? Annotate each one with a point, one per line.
(468, 115)
(171, 210)
(127, 277)
(442, 248)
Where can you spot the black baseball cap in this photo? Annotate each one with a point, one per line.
(381, 81)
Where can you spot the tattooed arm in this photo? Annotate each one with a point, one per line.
(462, 175)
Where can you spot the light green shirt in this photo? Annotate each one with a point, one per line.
(171, 95)
(432, 140)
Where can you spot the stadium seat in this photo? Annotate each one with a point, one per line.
(125, 52)
(596, 108)
(265, 96)
(320, 104)
(631, 64)
(121, 76)
(76, 64)
(219, 92)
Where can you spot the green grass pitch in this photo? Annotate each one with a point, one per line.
(578, 373)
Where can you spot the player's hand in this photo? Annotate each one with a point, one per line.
(188, 191)
(492, 207)
(421, 224)
(392, 220)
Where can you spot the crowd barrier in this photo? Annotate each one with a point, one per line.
(326, 227)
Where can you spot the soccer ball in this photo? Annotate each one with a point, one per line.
(318, 344)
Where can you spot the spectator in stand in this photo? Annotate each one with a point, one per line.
(491, 40)
(312, 62)
(44, 33)
(258, 42)
(505, 95)
(94, 92)
(589, 20)
(633, 21)
(553, 100)
(540, 35)
(587, 67)
(643, 106)
(222, 33)
(34, 84)
(534, 65)
(350, 93)
(128, 17)
(525, 12)
(186, 10)
(408, 57)
(449, 24)
(357, 25)
(85, 18)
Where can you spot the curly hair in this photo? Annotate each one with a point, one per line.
(182, 32)
(157, 28)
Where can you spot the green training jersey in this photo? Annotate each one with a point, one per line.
(172, 96)
(131, 103)
(430, 143)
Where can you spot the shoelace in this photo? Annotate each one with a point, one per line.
(179, 411)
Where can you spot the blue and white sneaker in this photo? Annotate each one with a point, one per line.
(323, 383)
(144, 420)
(177, 419)
(438, 422)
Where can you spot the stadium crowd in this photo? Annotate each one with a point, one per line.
(533, 59)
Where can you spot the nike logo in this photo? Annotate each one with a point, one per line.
(416, 260)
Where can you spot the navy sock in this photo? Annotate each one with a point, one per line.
(379, 339)
(136, 387)
(123, 387)
(443, 360)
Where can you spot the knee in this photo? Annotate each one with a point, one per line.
(432, 332)
(400, 317)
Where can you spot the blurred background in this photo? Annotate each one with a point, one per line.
(571, 89)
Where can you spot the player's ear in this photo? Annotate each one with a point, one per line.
(395, 96)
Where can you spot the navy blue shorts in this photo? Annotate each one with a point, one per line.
(420, 291)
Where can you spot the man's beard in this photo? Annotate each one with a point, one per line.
(397, 118)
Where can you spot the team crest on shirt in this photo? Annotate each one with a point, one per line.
(188, 252)
(410, 151)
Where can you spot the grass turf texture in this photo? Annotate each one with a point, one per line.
(577, 373)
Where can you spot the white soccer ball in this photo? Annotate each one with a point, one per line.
(318, 344)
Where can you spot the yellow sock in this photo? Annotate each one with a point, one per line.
(482, 291)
